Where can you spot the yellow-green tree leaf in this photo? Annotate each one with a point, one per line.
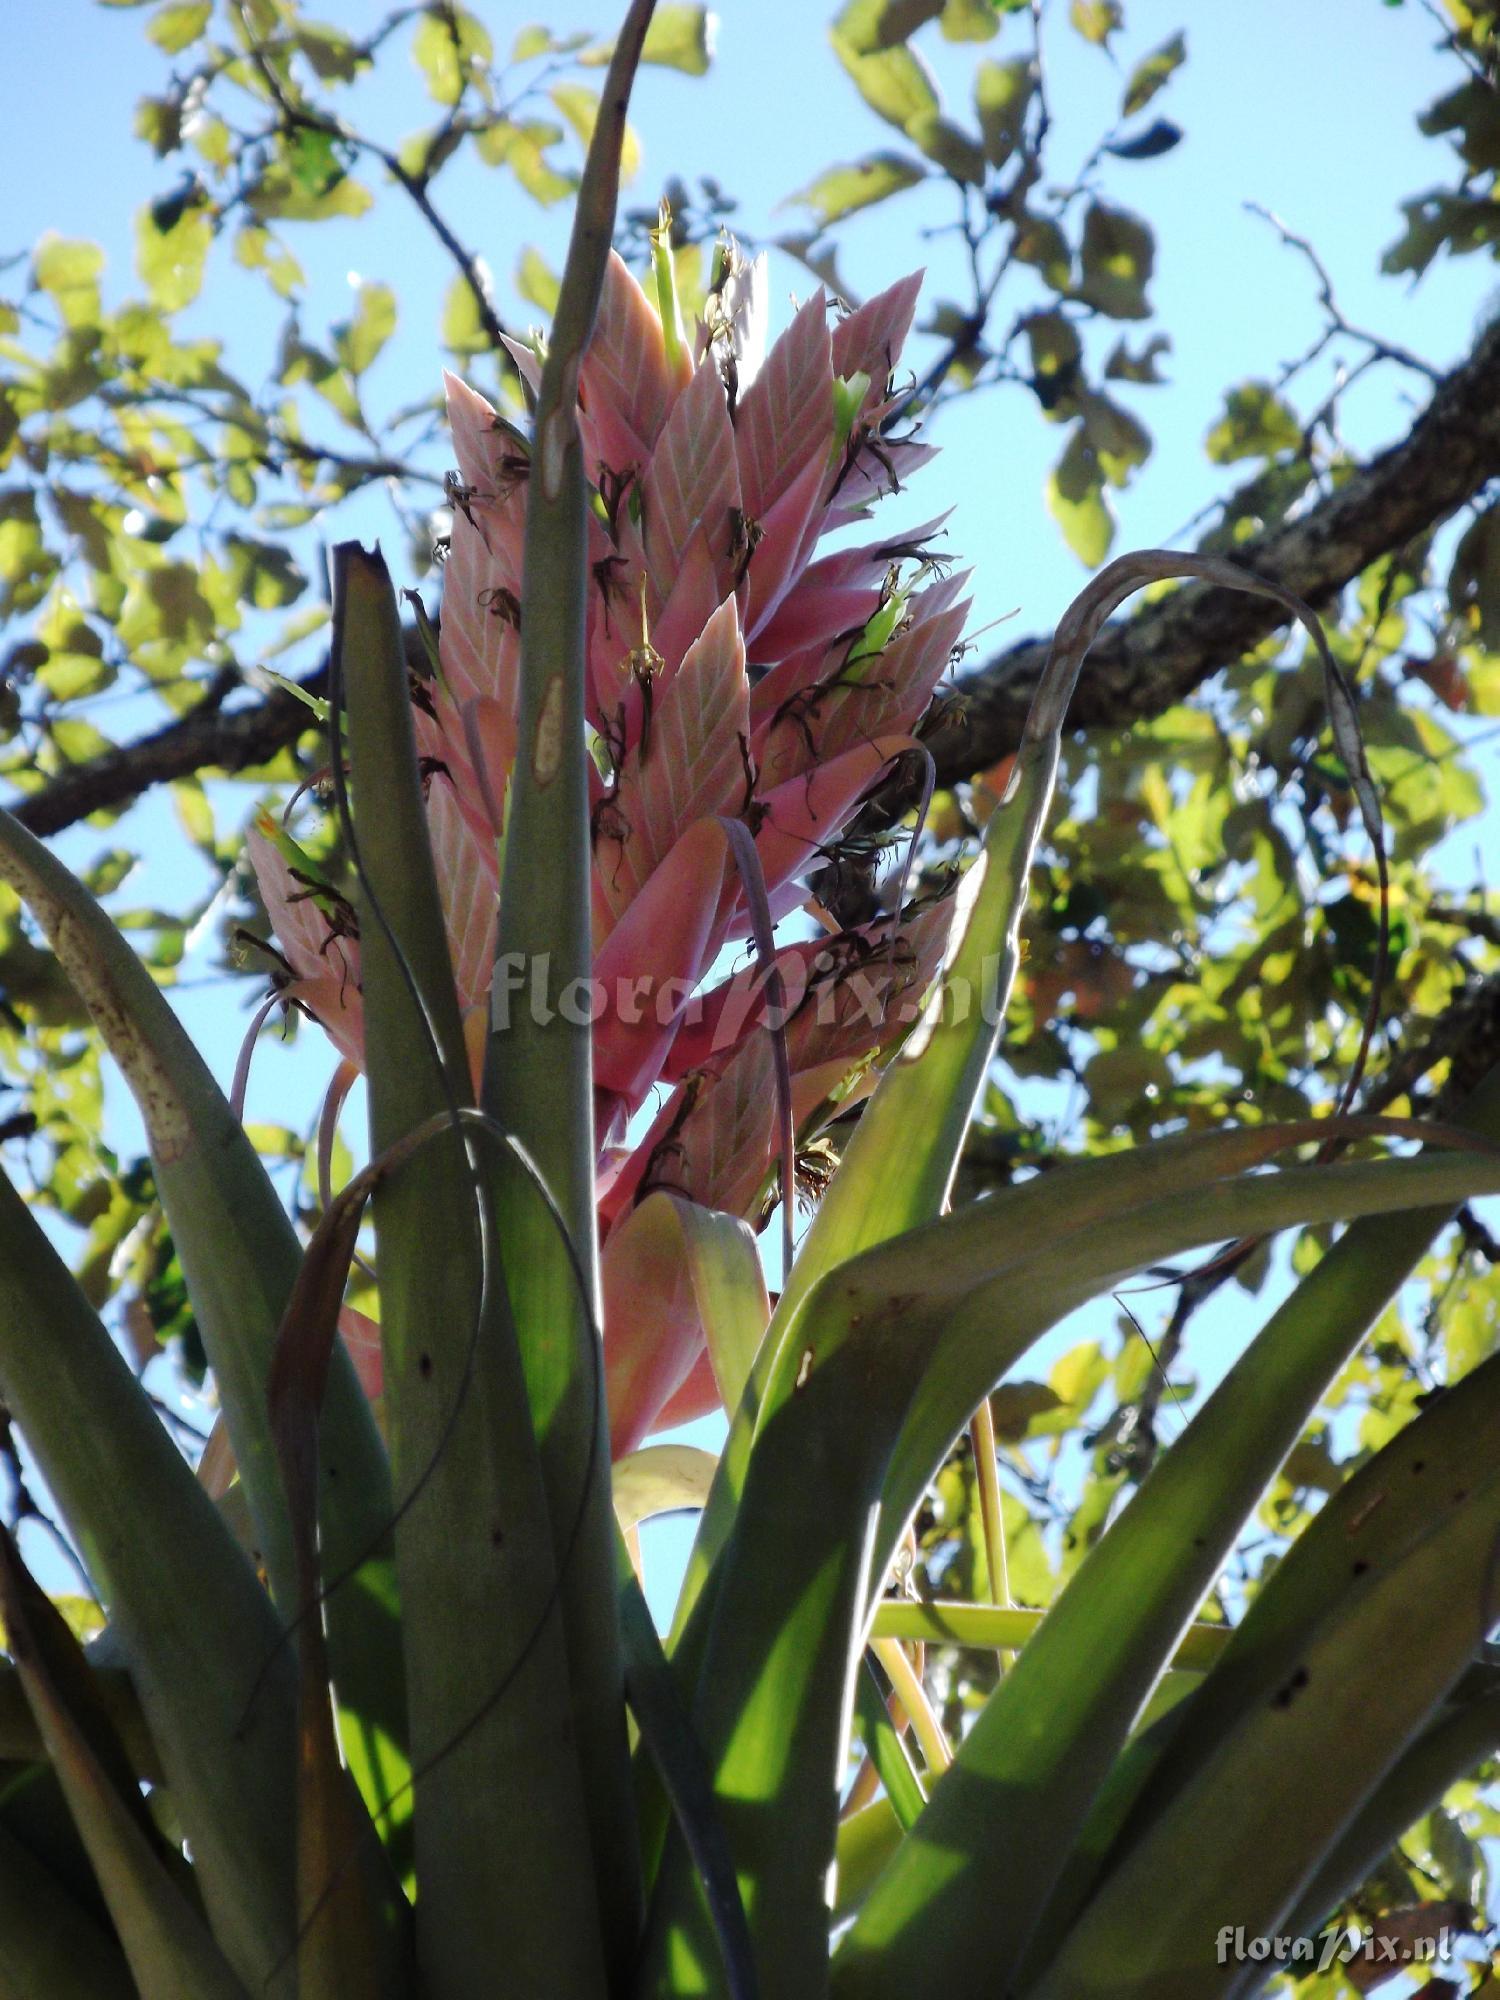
(1118, 254)
(680, 38)
(448, 48)
(1256, 424)
(536, 280)
(580, 106)
(463, 329)
(1151, 72)
(170, 261)
(1075, 499)
(179, 24)
(970, 21)
(67, 269)
(1096, 20)
(950, 147)
(1002, 92)
(842, 190)
(361, 338)
(895, 83)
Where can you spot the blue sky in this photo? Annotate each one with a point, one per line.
(1306, 109)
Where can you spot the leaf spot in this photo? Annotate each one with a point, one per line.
(547, 745)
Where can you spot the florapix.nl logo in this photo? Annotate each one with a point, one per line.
(1388, 1949)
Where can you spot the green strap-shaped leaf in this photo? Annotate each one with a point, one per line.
(1072, 1198)
(196, 1629)
(353, 1923)
(997, 1628)
(1056, 1723)
(538, 1074)
(48, 1942)
(1297, 1765)
(1464, 1733)
(883, 1359)
(500, 1838)
(165, 1939)
(1366, 1528)
(729, 1286)
(898, 1167)
(867, 1840)
(18, 1733)
(729, 1289)
(240, 1254)
(667, 1731)
(887, 1749)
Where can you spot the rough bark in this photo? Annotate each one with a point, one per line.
(208, 738)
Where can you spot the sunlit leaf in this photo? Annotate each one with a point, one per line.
(449, 46)
(661, 1479)
(1474, 579)
(463, 330)
(69, 271)
(1151, 73)
(970, 20)
(895, 83)
(580, 106)
(333, 56)
(178, 25)
(1096, 20)
(1256, 423)
(1075, 499)
(842, 190)
(950, 147)
(170, 262)
(1055, 354)
(536, 281)
(361, 338)
(680, 37)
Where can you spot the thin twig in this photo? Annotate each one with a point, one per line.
(1381, 349)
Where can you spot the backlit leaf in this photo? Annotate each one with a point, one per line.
(970, 21)
(1096, 20)
(536, 281)
(1256, 424)
(1151, 72)
(463, 330)
(680, 38)
(448, 47)
(1117, 256)
(1075, 499)
(895, 83)
(362, 337)
(842, 190)
(170, 262)
(69, 271)
(179, 24)
(580, 106)
(951, 147)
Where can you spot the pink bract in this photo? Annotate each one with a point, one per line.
(730, 675)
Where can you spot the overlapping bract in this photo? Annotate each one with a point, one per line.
(730, 675)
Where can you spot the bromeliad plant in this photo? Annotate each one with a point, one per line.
(414, 1734)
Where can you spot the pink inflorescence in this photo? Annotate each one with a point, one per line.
(730, 674)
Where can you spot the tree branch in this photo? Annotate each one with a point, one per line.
(208, 737)
(1138, 668)
(1147, 663)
